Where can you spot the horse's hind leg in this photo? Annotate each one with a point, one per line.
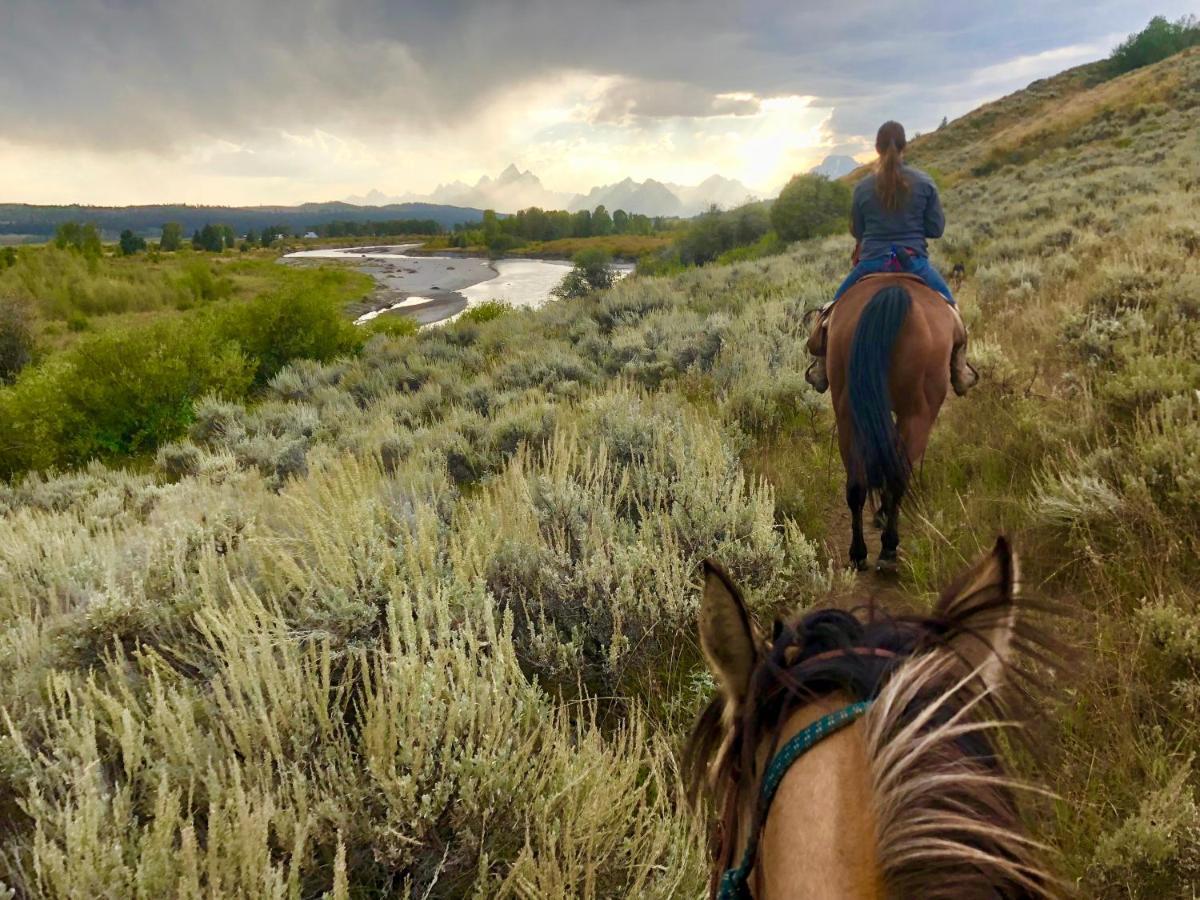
(856, 498)
(890, 510)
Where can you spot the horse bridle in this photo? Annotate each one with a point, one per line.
(735, 883)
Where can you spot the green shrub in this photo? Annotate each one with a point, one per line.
(117, 393)
(16, 338)
(768, 245)
(126, 391)
(810, 206)
(395, 326)
(301, 321)
(484, 312)
(1155, 850)
(199, 284)
(592, 272)
(1158, 40)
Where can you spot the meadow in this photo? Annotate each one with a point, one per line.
(418, 619)
(71, 294)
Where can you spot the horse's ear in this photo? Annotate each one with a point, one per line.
(981, 609)
(727, 635)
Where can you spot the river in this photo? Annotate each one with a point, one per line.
(433, 289)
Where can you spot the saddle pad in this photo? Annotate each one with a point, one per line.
(907, 276)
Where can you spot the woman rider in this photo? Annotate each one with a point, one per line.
(895, 210)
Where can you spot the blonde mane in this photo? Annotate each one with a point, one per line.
(947, 826)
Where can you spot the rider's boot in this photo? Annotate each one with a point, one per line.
(816, 374)
(963, 375)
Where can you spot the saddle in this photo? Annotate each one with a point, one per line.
(905, 276)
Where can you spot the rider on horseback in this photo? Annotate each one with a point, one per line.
(895, 210)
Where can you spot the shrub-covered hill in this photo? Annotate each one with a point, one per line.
(422, 620)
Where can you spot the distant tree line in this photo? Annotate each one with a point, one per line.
(535, 224)
(1158, 40)
(24, 219)
(214, 238)
(384, 228)
(809, 206)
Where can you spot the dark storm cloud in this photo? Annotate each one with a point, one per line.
(632, 100)
(161, 76)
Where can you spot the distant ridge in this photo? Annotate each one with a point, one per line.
(835, 166)
(513, 189)
(41, 221)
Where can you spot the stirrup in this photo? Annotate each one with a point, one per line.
(963, 375)
(816, 375)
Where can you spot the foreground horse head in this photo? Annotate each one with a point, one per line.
(890, 338)
(858, 759)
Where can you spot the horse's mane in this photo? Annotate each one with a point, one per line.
(947, 822)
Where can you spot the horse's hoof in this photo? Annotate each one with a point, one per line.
(887, 565)
(859, 565)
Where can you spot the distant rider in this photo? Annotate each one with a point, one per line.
(896, 208)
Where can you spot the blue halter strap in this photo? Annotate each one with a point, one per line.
(735, 882)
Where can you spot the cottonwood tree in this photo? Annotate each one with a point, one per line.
(16, 337)
(172, 236)
(131, 243)
(810, 206)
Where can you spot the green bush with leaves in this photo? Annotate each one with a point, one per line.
(485, 312)
(300, 321)
(1157, 41)
(592, 272)
(81, 237)
(16, 337)
(810, 206)
(123, 392)
(116, 393)
(131, 243)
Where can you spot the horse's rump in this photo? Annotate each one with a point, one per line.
(890, 339)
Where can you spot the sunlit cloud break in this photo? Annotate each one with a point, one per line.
(284, 101)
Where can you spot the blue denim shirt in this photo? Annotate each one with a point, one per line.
(919, 218)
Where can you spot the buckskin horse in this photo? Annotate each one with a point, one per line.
(854, 756)
(888, 347)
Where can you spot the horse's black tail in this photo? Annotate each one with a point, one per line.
(884, 458)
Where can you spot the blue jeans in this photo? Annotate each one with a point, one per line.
(913, 265)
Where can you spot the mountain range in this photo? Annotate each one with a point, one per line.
(448, 205)
(835, 166)
(513, 189)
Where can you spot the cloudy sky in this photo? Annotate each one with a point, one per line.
(282, 101)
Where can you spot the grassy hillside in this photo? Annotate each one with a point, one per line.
(423, 620)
